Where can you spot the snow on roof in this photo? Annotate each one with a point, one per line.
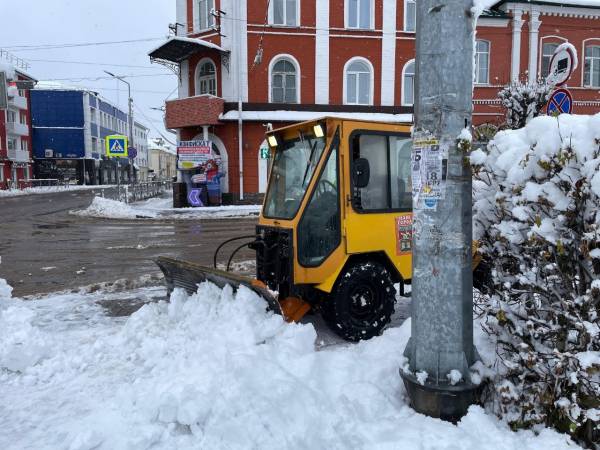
(197, 41)
(302, 116)
(160, 144)
(8, 68)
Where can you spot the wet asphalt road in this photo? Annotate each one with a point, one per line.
(46, 249)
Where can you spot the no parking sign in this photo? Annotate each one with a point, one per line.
(561, 102)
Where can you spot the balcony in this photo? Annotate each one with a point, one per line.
(20, 129)
(18, 102)
(194, 111)
(18, 155)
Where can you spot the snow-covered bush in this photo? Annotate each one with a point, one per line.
(537, 216)
(524, 101)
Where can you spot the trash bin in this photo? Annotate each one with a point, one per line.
(179, 195)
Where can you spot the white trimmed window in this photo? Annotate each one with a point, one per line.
(206, 79)
(548, 49)
(359, 14)
(24, 145)
(284, 12)
(358, 81)
(11, 144)
(284, 82)
(408, 84)
(1, 173)
(205, 18)
(591, 66)
(11, 116)
(410, 16)
(482, 62)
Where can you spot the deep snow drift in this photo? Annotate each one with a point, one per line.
(161, 208)
(213, 371)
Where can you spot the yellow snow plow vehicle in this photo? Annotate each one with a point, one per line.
(335, 230)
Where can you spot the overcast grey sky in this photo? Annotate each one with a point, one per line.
(42, 22)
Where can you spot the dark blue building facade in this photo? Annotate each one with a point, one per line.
(69, 131)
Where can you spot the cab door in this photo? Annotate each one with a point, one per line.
(379, 208)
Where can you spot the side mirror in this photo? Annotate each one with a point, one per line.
(362, 173)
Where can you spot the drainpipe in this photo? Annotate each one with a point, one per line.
(238, 43)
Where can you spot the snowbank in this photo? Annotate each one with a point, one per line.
(160, 208)
(49, 190)
(216, 371)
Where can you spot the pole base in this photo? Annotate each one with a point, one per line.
(446, 402)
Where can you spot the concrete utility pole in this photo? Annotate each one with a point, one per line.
(129, 121)
(440, 350)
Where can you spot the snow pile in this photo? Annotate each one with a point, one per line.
(214, 370)
(537, 216)
(160, 208)
(114, 209)
(50, 190)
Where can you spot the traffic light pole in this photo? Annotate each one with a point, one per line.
(440, 350)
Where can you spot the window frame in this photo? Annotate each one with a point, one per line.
(197, 82)
(595, 43)
(296, 64)
(371, 81)
(388, 134)
(475, 66)
(403, 84)
(358, 27)
(210, 20)
(405, 29)
(271, 14)
(334, 145)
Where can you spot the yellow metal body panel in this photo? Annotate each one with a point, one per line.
(361, 233)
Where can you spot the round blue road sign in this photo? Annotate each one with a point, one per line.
(561, 102)
(132, 152)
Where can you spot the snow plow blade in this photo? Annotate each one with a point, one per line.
(187, 275)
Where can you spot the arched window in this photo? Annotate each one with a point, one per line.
(482, 62)
(591, 66)
(408, 84)
(206, 78)
(284, 82)
(358, 82)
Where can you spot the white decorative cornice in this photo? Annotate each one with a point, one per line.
(553, 10)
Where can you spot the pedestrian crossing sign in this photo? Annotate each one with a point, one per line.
(116, 145)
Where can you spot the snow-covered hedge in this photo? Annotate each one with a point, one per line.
(537, 215)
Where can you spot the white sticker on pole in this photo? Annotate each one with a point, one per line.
(429, 164)
(562, 64)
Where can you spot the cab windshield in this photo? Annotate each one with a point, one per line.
(293, 166)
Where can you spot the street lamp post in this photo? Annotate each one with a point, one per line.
(441, 351)
(130, 118)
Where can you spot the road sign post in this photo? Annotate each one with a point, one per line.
(440, 350)
(116, 147)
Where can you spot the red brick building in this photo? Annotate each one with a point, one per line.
(15, 128)
(281, 61)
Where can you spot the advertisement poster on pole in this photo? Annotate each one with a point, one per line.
(428, 167)
(193, 154)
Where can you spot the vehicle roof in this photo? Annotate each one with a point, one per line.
(337, 119)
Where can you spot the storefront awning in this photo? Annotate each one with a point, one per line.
(177, 49)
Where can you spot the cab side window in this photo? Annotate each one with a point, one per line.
(389, 183)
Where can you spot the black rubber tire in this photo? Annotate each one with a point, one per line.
(351, 320)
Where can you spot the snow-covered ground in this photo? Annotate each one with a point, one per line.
(211, 371)
(162, 208)
(49, 190)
